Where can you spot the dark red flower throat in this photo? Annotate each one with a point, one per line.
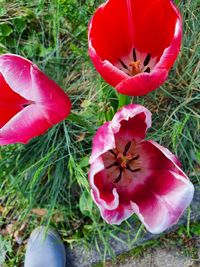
(124, 161)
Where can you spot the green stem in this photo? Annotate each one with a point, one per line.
(123, 100)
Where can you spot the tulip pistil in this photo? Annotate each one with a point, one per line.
(122, 161)
(135, 67)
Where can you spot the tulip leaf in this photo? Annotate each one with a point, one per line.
(86, 204)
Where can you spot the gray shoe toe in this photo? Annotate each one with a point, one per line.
(45, 249)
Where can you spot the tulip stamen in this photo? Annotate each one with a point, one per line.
(134, 55)
(136, 66)
(147, 60)
(127, 146)
(147, 70)
(113, 164)
(123, 64)
(135, 170)
(119, 176)
(112, 152)
(26, 105)
(134, 158)
(122, 161)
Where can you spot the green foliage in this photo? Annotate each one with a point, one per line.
(86, 204)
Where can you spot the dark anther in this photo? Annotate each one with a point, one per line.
(113, 164)
(129, 168)
(112, 152)
(123, 64)
(119, 176)
(135, 158)
(147, 70)
(127, 146)
(25, 105)
(134, 55)
(147, 59)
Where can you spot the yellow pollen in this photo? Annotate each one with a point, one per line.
(135, 67)
(124, 159)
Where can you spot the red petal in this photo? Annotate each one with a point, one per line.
(143, 83)
(154, 22)
(109, 32)
(10, 102)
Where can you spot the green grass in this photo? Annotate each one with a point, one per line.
(50, 172)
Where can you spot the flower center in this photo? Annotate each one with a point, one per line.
(132, 65)
(124, 161)
(135, 67)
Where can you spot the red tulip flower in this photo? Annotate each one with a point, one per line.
(131, 175)
(134, 43)
(30, 103)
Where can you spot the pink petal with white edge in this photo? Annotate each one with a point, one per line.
(104, 197)
(102, 141)
(157, 157)
(23, 126)
(40, 102)
(25, 78)
(117, 216)
(135, 129)
(171, 157)
(160, 202)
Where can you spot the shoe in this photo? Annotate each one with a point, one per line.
(45, 249)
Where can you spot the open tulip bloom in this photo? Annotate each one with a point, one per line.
(134, 43)
(30, 102)
(131, 175)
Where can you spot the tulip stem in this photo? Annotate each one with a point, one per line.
(123, 100)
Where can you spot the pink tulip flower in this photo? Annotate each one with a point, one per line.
(134, 43)
(131, 175)
(30, 103)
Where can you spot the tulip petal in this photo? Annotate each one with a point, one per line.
(117, 216)
(131, 122)
(28, 123)
(155, 29)
(104, 194)
(160, 202)
(157, 157)
(106, 197)
(108, 30)
(102, 141)
(33, 101)
(143, 83)
(10, 102)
